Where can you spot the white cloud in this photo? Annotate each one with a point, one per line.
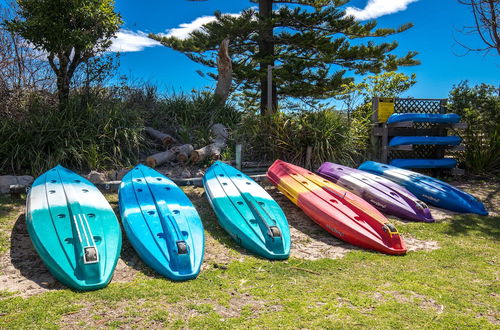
(130, 41)
(377, 8)
(184, 29)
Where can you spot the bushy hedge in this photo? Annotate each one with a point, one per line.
(479, 107)
(91, 133)
(286, 135)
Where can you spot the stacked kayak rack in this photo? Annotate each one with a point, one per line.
(416, 133)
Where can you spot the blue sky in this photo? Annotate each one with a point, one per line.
(437, 26)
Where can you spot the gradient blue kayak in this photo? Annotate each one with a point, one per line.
(161, 223)
(437, 118)
(425, 140)
(247, 212)
(424, 163)
(428, 189)
(73, 228)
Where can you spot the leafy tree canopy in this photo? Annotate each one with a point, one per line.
(312, 43)
(70, 31)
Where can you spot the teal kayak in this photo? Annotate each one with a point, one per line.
(247, 212)
(161, 223)
(73, 228)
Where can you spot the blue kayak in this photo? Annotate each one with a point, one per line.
(425, 140)
(247, 212)
(161, 223)
(424, 163)
(73, 228)
(428, 189)
(437, 118)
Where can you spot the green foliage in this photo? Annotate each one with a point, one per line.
(186, 116)
(91, 134)
(479, 107)
(70, 32)
(313, 48)
(286, 135)
(388, 84)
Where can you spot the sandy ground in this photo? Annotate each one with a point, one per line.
(22, 271)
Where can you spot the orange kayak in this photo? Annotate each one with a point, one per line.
(338, 211)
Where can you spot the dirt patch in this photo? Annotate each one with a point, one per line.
(413, 244)
(236, 304)
(154, 315)
(98, 316)
(412, 298)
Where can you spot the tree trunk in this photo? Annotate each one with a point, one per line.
(266, 54)
(225, 72)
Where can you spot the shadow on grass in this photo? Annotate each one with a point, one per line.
(471, 224)
(7, 204)
(24, 257)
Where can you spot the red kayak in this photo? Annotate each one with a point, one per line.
(338, 211)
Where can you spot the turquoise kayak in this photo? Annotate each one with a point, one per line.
(73, 228)
(428, 189)
(247, 212)
(161, 223)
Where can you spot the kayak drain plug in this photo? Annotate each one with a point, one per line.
(90, 255)
(182, 247)
(274, 231)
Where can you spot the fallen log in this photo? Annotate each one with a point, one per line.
(212, 150)
(166, 139)
(219, 137)
(183, 152)
(160, 158)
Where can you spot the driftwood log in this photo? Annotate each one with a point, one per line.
(166, 139)
(160, 158)
(183, 152)
(219, 137)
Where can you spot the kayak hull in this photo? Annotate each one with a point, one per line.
(247, 212)
(74, 229)
(161, 224)
(385, 195)
(338, 211)
(428, 189)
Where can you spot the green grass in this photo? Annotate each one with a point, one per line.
(455, 286)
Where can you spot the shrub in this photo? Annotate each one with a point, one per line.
(186, 116)
(92, 133)
(286, 135)
(479, 107)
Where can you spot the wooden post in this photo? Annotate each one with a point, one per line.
(308, 164)
(385, 142)
(238, 156)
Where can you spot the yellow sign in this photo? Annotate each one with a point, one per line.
(385, 108)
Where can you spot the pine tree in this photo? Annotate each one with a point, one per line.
(312, 43)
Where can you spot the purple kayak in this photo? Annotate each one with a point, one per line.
(382, 193)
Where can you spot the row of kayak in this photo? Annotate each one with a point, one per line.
(77, 235)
